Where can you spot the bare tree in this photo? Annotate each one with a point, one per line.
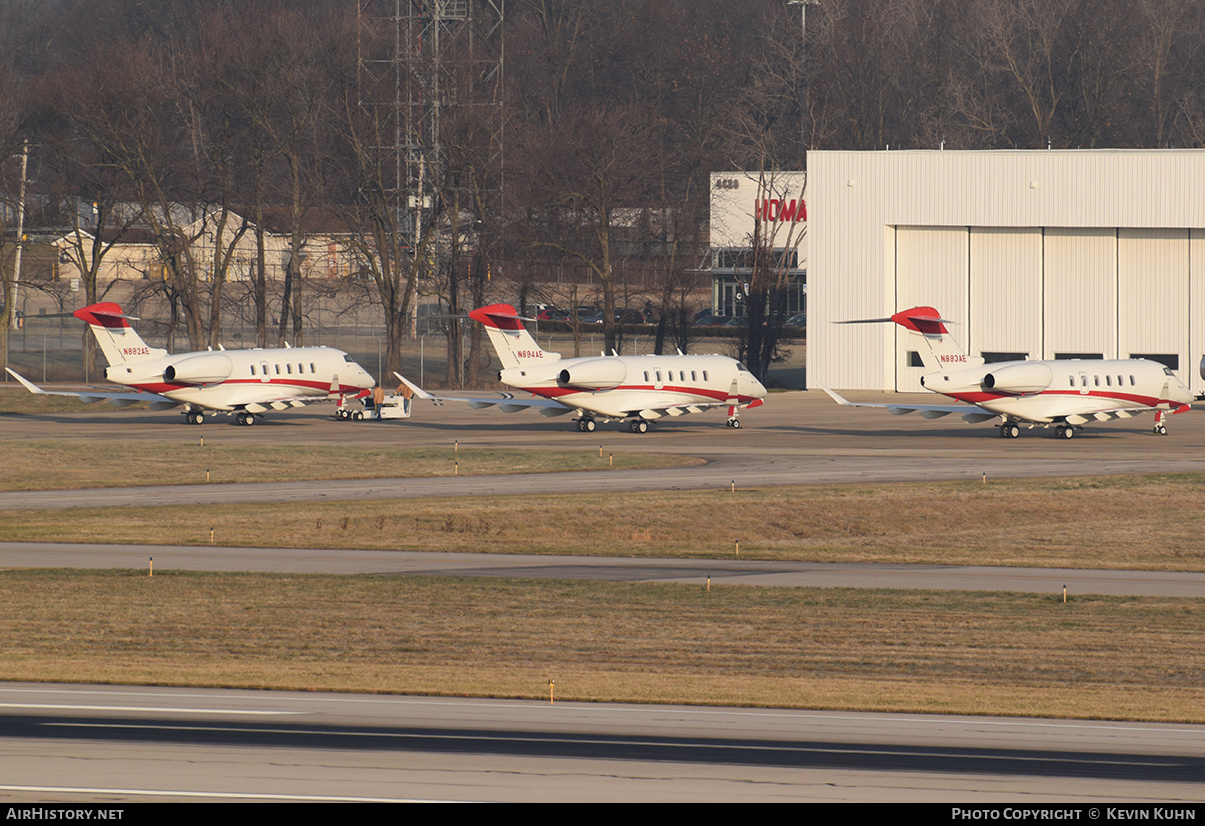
(1170, 49)
(290, 63)
(595, 166)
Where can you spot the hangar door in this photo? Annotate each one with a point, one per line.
(1034, 292)
(988, 281)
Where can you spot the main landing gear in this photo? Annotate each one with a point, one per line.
(734, 423)
(586, 425)
(638, 426)
(242, 417)
(1011, 430)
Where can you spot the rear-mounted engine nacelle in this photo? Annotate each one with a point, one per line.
(204, 369)
(1019, 379)
(529, 375)
(595, 374)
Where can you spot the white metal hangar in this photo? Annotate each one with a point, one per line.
(1040, 255)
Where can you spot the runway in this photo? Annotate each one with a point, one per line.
(116, 744)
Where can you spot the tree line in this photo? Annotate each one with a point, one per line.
(578, 136)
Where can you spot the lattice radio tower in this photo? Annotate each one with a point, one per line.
(423, 63)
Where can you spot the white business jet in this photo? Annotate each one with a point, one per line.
(241, 383)
(635, 389)
(1063, 394)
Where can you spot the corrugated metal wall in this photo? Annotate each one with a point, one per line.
(931, 270)
(1030, 252)
(1080, 297)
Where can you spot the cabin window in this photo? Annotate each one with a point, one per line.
(1071, 381)
(704, 375)
(646, 375)
(313, 369)
(694, 375)
(289, 369)
(277, 366)
(658, 376)
(1120, 381)
(1132, 382)
(1096, 380)
(1109, 381)
(253, 369)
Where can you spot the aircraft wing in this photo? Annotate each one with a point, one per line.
(117, 399)
(505, 402)
(969, 412)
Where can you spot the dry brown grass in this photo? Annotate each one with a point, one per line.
(1125, 522)
(1014, 654)
(77, 463)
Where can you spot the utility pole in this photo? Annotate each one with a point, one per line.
(803, 74)
(20, 235)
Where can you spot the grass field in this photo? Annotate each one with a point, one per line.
(914, 651)
(1152, 523)
(905, 651)
(77, 463)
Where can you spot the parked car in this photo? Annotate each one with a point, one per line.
(587, 314)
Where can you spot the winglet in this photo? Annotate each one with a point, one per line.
(835, 396)
(30, 386)
(414, 388)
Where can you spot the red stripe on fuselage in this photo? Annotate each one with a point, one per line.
(979, 397)
(164, 388)
(556, 392)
